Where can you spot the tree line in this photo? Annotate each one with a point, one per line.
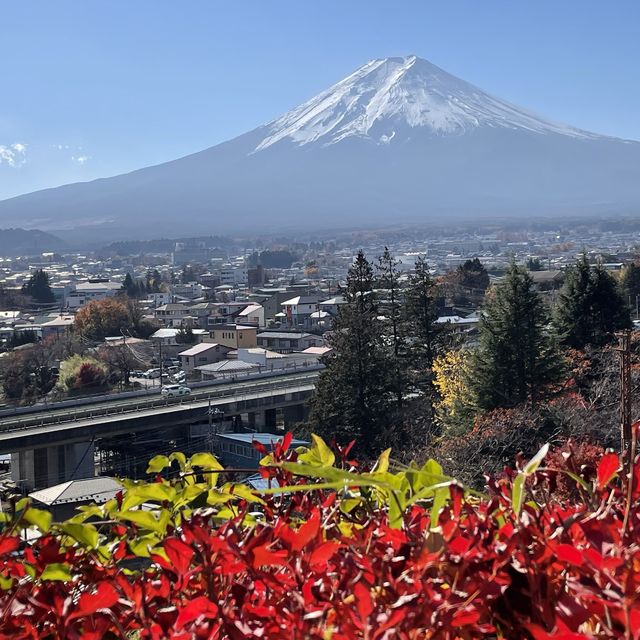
(396, 376)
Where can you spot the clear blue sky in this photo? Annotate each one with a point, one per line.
(92, 88)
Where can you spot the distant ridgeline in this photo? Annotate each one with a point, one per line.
(163, 245)
(16, 242)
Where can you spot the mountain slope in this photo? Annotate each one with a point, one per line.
(397, 140)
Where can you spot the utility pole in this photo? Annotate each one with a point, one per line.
(624, 349)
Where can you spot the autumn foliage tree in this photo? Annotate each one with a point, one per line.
(101, 318)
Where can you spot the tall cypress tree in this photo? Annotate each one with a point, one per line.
(353, 397)
(39, 288)
(421, 314)
(391, 295)
(591, 306)
(631, 283)
(516, 358)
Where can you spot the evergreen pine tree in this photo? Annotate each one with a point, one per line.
(472, 274)
(38, 287)
(391, 308)
(129, 286)
(591, 307)
(421, 316)
(515, 358)
(353, 397)
(631, 283)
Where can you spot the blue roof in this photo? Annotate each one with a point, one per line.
(257, 482)
(263, 438)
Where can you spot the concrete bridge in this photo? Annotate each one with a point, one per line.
(51, 444)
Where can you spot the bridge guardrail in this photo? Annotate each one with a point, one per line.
(153, 391)
(43, 419)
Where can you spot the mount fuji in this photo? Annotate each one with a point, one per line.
(398, 140)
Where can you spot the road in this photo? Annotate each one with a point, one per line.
(118, 407)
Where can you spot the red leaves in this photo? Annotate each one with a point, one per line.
(200, 606)
(567, 553)
(363, 601)
(104, 597)
(556, 574)
(322, 554)
(307, 532)
(8, 544)
(608, 467)
(179, 554)
(262, 556)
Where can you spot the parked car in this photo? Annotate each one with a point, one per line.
(137, 373)
(152, 373)
(173, 369)
(173, 390)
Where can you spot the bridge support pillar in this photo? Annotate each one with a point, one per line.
(257, 421)
(46, 466)
(270, 420)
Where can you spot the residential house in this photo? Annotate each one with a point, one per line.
(57, 327)
(201, 354)
(63, 500)
(81, 293)
(298, 310)
(173, 314)
(332, 305)
(227, 369)
(252, 314)
(272, 360)
(288, 341)
(235, 336)
(190, 290)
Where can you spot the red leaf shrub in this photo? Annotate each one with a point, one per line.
(316, 568)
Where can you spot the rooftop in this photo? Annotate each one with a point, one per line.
(200, 348)
(98, 489)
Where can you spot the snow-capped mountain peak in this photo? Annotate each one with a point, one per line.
(386, 98)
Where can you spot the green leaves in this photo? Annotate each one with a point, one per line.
(319, 454)
(396, 491)
(518, 487)
(86, 534)
(158, 464)
(517, 493)
(38, 518)
(56, 571)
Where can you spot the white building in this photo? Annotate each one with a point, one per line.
(81, 293)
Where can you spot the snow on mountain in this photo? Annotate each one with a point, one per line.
(389, 95)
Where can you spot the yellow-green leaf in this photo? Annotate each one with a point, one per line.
(5, 582)
(382, 464)
(517, 493)
(534, 463)
(147, 519)
(142, 546)
(56, 571)
(38, 518)
(319, 454)
(181, 458)
(244, 492)
(158, 463)
(218, 497)
(86, 534)
(206, 461)
(148, 492)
